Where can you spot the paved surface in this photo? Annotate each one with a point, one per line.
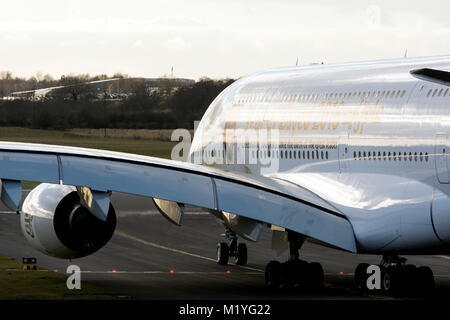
(137, 262)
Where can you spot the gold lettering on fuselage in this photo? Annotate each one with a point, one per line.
(321, 116)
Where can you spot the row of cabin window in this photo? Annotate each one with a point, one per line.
(437, 93)
(390, 156)
(313, 97)
(292, 154)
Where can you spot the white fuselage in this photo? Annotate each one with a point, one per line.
(369, 138)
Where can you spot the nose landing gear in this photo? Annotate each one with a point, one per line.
(233, 249)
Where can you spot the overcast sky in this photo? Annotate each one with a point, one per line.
(228, 38)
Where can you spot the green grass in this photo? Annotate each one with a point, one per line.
(137, 144)
(19, 284)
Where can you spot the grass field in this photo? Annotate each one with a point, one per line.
(145, 142)
(19, 284)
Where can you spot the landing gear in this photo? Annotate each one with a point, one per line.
(397, 277)
(294, 272)
(222, 253)
(233, 249)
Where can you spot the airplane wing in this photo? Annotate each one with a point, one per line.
(262, 199)
(44, 91)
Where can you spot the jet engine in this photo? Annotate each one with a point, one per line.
(55, 222)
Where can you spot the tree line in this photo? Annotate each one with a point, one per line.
(78, 105)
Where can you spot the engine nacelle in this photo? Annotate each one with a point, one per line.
(55, 223)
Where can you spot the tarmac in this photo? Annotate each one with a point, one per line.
(149, 258)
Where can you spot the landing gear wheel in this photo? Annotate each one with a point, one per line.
(425, 281)
(241, 254)
(222, 253)
(391, 280)
(273, 274)
(361, 276)
(293, 273)
(315, 278)
(409, 274)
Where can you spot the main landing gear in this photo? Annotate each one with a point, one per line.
(233, 249)
(397, 277)
(294, 272)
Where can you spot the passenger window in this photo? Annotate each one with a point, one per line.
(435, 91)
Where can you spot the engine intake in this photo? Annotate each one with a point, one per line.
(55, 223)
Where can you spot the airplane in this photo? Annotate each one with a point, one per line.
(353, 156)
(41, 93)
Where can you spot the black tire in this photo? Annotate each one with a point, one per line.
(222, 253)
(409, 276)
(361, 276)
(241, 254)
(289, 275)
(391, 281)
(315, 276)
(273, 274)
(425, 281)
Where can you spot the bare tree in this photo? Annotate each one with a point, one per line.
(75, 85)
